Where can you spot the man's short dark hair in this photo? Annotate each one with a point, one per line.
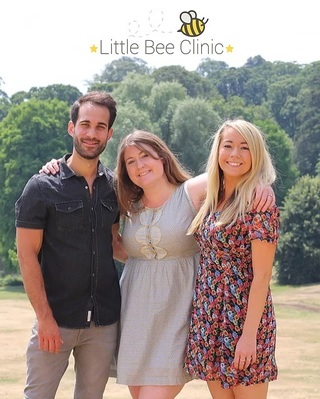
(98, 98)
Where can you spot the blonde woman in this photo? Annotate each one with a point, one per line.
(232, 335)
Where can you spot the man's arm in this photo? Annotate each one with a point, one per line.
(29, 242)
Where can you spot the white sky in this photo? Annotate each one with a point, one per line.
(43, 43)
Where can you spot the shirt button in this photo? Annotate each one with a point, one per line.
(86, 187)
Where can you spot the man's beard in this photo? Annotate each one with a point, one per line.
(88, 154)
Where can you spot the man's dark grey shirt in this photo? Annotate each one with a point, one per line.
(76, 255)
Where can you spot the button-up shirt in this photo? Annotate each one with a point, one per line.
(76, 257)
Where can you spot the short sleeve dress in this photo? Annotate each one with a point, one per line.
(220, 302)
(157, 286)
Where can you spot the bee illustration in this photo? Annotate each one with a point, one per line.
(192, 26)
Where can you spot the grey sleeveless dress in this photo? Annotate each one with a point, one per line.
(157, 287)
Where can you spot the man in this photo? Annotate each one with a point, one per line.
(65, 224)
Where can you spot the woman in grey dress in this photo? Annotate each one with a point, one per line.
(159, 275)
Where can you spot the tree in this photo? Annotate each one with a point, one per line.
(66, 93)
(232, 82)
(195, 85)
(298, 254)
(134, 88)
(129, 118)
(254, 62)
(308, 145)
(284, 103)
(162, 101)
(5, 106)
(193, 124)
(118, 69)
(281, 149)
(235, 107)
(255, 90)
(308, 135)
(4, 102)
(209, 68)
(161, 95)
(19, 97)
(318, 168)
(108, 87)
(31, 133)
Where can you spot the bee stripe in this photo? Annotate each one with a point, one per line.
(195, 26)
(190, 30)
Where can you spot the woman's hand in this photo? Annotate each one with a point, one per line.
(51, 167)
(264, 198)
(246, 352)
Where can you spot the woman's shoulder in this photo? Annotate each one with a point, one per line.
(264, 225)
(196, 188)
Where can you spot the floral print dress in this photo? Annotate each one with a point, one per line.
(221, 298)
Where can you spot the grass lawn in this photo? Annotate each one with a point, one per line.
(298, 347)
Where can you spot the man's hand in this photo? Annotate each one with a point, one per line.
(49, 335)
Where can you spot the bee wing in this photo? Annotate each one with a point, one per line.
(193, 14)
(185, 17)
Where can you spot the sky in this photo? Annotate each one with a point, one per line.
(68, 41)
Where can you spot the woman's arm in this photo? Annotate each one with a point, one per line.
(119, 252)
(264, 198)
(197, 189)
(262, 262)
(51, 167)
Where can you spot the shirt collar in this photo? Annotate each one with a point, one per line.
(66, 172)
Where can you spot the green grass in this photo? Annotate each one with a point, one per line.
(298, 346)
(12, 293)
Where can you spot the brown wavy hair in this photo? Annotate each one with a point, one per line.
(129, 194)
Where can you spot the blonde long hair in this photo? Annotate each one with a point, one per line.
(129, 193)
(262, 171)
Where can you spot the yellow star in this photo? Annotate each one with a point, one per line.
(93, 48)
(229, 48)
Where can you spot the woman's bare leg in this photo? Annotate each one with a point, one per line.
(155, 391)
(217, 392)
(134, 391)
(257, 391)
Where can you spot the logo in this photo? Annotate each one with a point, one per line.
(154, 36)
(192, 26)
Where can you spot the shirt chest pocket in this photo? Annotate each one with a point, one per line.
(109, 213)
(70, 215)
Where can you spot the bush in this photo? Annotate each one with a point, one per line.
(11, 280)
(298, 255)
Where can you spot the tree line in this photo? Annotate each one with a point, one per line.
(184, 108)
